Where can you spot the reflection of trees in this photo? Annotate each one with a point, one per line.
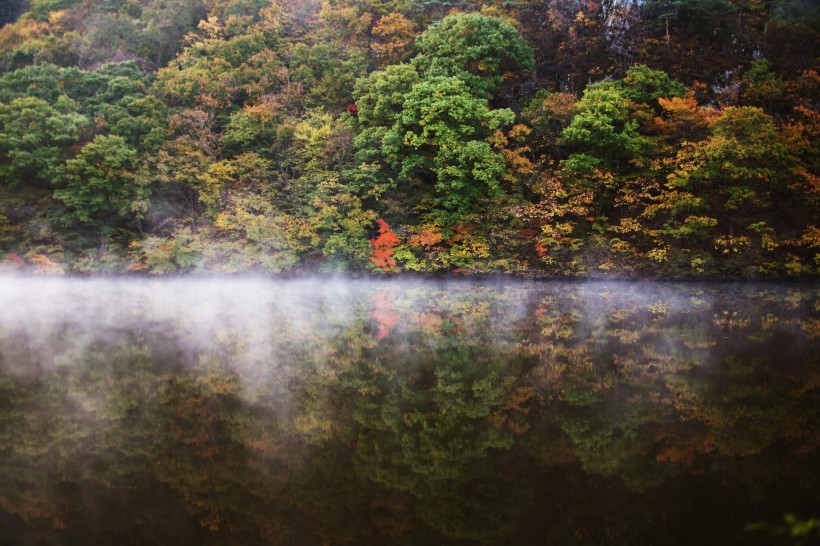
(421, 416)
(430, 417)
(435, 431)
(79, 444)
(648, 390)
(602, 372)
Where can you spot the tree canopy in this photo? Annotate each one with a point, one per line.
(661, 138)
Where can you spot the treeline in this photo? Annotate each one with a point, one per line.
(559, 138)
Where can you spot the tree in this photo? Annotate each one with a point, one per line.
(603, 131)
(141, 120)
(746, 172)
(41, 8)
(548, 114)
(393, 33)
(642, 85)
(482, 51)
(760, 86)
(380, 96)
(438, 6)
(99, 186)
(253, 127)
(744, 160)
(382, 252)
(34, 136)
(570, 41)
(438, 133)
(443, 134)
(334, 222)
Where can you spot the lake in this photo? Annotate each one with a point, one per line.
(250, 411)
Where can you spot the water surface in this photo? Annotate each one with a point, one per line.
(250, 411)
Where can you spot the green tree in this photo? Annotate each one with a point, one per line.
(443, 134)
(760, 86)
(745, 160)
(34, 137)
(99, 186)
(380, 96)
(482, 51)
(642, 85)
(41, 8)
(430, 121)
(603, 131)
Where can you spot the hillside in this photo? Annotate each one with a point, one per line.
(565, 138)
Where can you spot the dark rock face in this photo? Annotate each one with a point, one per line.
(10, 10)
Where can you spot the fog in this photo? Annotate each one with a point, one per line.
(255, 325)
(50, 314)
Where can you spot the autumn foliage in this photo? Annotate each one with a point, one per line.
(382, 252)
(658, 138)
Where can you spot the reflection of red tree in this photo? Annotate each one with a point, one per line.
(382, 252)
(382, 313)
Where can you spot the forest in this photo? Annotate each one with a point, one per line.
(551, 138)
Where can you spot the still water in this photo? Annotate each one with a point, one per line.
(250, 411)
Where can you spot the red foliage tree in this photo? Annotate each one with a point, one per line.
(382, 252)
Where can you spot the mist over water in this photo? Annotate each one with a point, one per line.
(256, 411)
